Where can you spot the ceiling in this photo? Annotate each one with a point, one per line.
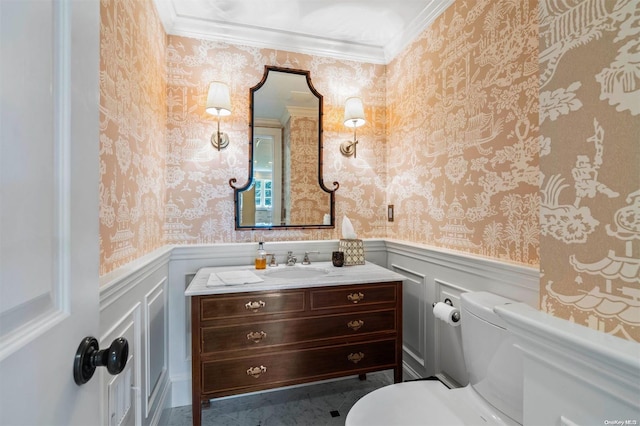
(363, 30)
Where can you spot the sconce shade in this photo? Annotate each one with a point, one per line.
(353, 113)
(218, 99)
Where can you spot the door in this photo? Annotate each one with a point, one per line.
(49, 243)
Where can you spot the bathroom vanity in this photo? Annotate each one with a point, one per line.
(299, 324)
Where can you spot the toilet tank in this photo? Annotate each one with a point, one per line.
(494, 365)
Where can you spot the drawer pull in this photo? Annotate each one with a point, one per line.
(355, 325)
(255, 306)
(355, 358)
(256, 336)
(355, 297)
(256, 371)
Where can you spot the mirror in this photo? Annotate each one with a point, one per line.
(285, 188)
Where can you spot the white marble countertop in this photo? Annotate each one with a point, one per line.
(329, 275)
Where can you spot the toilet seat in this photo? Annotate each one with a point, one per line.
(424, 402)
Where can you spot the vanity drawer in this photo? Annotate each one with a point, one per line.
(257, 335)
(251, 304)
(353, 296)
(227, 377)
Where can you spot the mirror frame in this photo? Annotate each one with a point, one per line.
(238, 190)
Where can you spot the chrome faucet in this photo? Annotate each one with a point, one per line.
(305, 260)
(291, 259)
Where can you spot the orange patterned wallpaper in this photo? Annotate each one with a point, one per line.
(590, 163)
(132, 124)
(463, 123)
(308, 202)
(501, 131)
(200, 200)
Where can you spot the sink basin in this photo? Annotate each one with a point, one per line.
(293, 272)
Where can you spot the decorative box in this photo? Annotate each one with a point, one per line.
(353, 252)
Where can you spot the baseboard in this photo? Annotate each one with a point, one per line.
(180, 390)
(409, 373)
(163, 403)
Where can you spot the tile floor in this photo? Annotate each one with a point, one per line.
(314, 405)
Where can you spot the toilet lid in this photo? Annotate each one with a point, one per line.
(423, 402)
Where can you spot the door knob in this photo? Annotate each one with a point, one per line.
(89, 356)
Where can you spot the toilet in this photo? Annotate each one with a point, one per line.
(492, 397)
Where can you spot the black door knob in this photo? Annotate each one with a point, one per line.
(89, 356)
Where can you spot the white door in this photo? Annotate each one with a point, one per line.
(49, 243)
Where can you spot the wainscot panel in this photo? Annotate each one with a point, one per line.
(136, 295)
(574, 375)
(157, 282)
(122, 404)
(445, 274)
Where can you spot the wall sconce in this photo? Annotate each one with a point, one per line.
(219, 104)
(353, 117)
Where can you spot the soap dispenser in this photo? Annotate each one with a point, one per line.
(261, 257)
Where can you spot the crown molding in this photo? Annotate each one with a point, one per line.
(267, 39)
(252, 36)
(415, 27)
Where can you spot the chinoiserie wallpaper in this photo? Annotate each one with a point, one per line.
(590, 163)
(199, 198)
(133, 111)
(463, 132)
(507, 129)
(308, 202)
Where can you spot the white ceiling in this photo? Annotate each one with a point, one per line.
(364, 30)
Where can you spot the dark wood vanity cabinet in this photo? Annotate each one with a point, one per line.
(246, 342)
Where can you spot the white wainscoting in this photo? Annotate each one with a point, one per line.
(448, 355)
(123, 405)
(145, 302)
(155, 342)
(134, 305)
(574, 375)
(435, 274)
(414, 336)
(157, 282)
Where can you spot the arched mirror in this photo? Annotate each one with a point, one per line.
(285, 188)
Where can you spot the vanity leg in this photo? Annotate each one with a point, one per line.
(397, 371)
(196, 397)
(362, 376)
(197, 414)
(397, 375)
